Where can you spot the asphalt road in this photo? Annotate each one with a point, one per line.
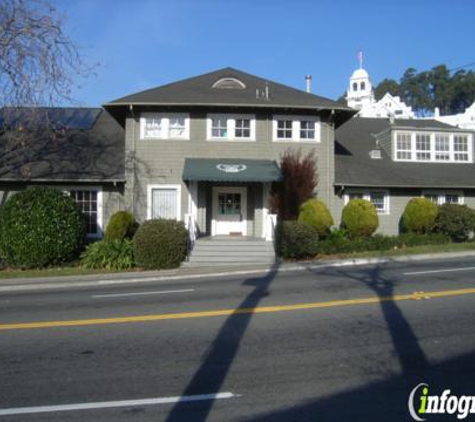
(336, 344)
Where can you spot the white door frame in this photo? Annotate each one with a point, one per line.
(229, 189)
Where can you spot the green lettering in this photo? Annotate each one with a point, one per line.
(422, 409)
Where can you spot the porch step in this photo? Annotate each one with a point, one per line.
(231, 251)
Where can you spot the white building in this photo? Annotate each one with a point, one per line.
(360, 96)
(464, 120)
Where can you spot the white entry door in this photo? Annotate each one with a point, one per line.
(229, 211)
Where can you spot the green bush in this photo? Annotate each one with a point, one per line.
(315, 213)
(122, 225)
(414, 239)
(359, 218)
(455, 221)
(160, 244)
(419, 216)
(110, 254)
(296, 240)
(41, 227)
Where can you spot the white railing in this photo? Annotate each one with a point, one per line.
(190, 225)
(271, 221)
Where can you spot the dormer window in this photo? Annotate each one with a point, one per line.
(433, 147)
(229, 83)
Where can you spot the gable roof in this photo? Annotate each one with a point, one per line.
(354, 166)
(257, 92)
(77, 145)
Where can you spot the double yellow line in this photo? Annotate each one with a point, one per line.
(239, 311)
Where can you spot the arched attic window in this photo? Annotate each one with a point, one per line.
(229, 83)
(355, 86)
(363, 86)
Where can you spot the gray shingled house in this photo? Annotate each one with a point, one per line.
(205, 150)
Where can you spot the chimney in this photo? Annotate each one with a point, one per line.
(308, 80)
(437, 112)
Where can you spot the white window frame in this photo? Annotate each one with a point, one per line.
(165, 122)
(296, 127)
(150, 189)
(441, 195)
(413, 151)
(366, 194)
(231, 127)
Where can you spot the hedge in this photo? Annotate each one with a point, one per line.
(296, 240)
(122, 225)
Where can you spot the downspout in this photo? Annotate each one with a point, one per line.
(132, 194)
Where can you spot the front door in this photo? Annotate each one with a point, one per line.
(229, 211)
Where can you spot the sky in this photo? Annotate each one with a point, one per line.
(141, 44)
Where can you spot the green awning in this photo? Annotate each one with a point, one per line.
(231, 170)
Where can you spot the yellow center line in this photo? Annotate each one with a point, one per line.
(238, 311)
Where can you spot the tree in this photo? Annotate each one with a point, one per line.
(385, 86)
(38, 66)
(300, 178)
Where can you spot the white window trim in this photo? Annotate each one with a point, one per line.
(100, 219)
(432, 150)
(231, 127)
(296, 124)
(442, 193)
(366, 195)
(150, 188)
(166, 126)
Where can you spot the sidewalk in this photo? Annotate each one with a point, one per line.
(196, 273)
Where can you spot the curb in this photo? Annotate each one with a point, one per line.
(63, 282)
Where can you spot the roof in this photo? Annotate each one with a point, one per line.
(231, 170)
(354, 167)
(75, 145)
(248, 91)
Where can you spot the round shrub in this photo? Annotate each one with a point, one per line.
(122, 225)
(296, 240)
(359, 218)
(315, 213)
(110, 254)
(455, 221)
(419, 216)
(160, 244)
(41, 227)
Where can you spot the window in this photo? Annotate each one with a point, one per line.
(296, 128)
(363, 86)
(90, 203)
(355, 86)
(219, 127)
(403, 146)
(164, 202)
(165, 126)
(441, 197)
(433, 147)
(231, 127)
(379, 198)
(307, 129)
(442, 147)
(422, 147)
(461, 148)
(284, 129)
(243, 128)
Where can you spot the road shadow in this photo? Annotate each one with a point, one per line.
(212, 373)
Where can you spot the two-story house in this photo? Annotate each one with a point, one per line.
(207, 148)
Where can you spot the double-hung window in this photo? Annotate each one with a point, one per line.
(89, 200)
(164, 202)
(379, 198)
(403, 146)
(422, 146)
(461, 148)
(296, 128)
(231, 127)
(442, 147)
(173, 126)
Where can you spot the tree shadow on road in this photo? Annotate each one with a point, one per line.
(212, 373)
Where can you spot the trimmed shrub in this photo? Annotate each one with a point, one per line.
(296, 240)
(414, 239)
(455, 221)
(122, 225)
(110, 254)
(160, 244)
(359, 218)
(40, 227)
(419, 216)
(315, 213)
